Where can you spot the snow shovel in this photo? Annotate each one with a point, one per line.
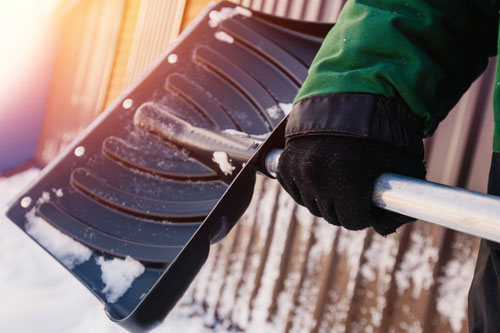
(122, 208)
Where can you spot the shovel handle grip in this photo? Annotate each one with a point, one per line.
(474, 213)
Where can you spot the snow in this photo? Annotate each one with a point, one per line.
(40, 295)
(64, 248)
(235, 133)
(276, 111)
(455, 282)
(224, 37)
(223, 161)
(118, 276)
(44, 198)
(417, 265)
(286, 107)
(380, 261)
(262, 225)
(216, 17)
(58, 192)
(271, 273)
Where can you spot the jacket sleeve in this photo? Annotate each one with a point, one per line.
(390, 70)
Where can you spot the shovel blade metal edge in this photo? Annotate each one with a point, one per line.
(121, 190)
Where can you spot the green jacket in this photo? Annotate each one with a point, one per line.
(392, 70)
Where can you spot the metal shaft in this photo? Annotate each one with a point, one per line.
(466, 211)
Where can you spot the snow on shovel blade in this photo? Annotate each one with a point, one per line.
(122, 208)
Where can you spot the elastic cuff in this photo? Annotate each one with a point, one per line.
(369, 116)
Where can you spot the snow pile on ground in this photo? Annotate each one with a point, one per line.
(40, 295)
(118, 275)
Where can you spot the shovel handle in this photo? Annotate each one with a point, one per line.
(473, 213)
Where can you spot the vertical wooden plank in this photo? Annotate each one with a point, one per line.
(158, 24)
(119, 71)
(87, 48)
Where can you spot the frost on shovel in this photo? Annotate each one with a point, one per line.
(222, 160)
(118, 276)
(61, 246)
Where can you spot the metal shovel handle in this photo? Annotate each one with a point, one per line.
(466, 211)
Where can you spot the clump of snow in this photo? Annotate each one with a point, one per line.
(216, 17)
(43, 198)
(224, 37)
(172, 58)
(286, 107)
(224, 162)
(64, 248)
(236, 133)
(118, 275)
(58, 192)
(417, 265)
(276, 111)
(413, 327)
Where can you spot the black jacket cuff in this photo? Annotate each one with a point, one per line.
(368, 116)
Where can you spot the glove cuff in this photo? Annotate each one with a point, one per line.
(363, 115)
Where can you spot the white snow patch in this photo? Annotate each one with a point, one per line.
(172, 58)
(44, 198)
(286, 107)
(224, 162)
(413, 327)
(216, 17)
(350, 245)
(236, 133)
(224, 37)
(417, 265)
(276, 111)
(118, 275)
(58, 192)
(264, 298)
(39, 295)
(380, 261)
(455, 282)
(64, 248)
(262, 221)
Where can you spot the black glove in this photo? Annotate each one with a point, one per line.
(334, 178)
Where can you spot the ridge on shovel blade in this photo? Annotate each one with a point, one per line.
(131, 193)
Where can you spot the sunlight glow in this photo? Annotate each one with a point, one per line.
(23, 27)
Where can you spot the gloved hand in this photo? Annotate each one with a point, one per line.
(334, 178)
